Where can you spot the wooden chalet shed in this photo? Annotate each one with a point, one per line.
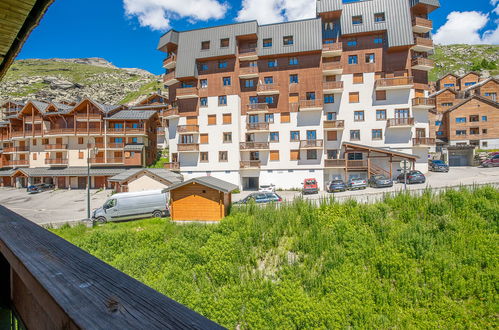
(200, 199)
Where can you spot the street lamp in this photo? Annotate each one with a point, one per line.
(91, 141)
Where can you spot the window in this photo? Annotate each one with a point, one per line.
(484, 118)
(224, 43)
(484, 131)
(285, 117)
(226, 81)
(203, 67)
(493, 96)
(440, 133)
(379, 17)
(253, 99)
(461, 132)
(377, 134)
(269, 118)
(254, 155)
(353, 59)
(249, 83)
(118, 140)
(203, 83)
(438, 123)
(212, 119)
(311, 154)
(332, 136)
(294, 136)
(378, 39)
(310, 96)
(293, 78)
(474, 118)
(222, 64)
(269, 99)
(203, 138)
(223, 156)
(329, 26)
(222, 100)
(356, 20)
(353, 97)
(274, 155)
(205, 45)
(294, 155)
(272, 63)
(274, 136)
(449, 85)
(355, 156)
(469, 83)
(227, 138)
(370, 58)
(203, 157)
(227, 118)
(380, 95)
(358, 78)
(268, 80)
(34, 156)
(474, 131)
(331, 116)
(34, 142)
(311, 135)
(485, 144)
(267, 42)
(45, 141)
(203, 102)
(293, 61)
(448, 104)
(355, 135)
(380, 114)
(80, 140)
(352, 42)
(461, 120)
(80, 155)
(287, 41)
(328, 98)
(358, 115)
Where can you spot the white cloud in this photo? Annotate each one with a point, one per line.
(272, 11)
(157, 14)
(465, 27)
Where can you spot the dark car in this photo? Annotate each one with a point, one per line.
(380, 181)
(491, 161)
(261, 197)
(33, 189)
(357, 183)
(438, 166)
(336, 185)
(412, 177)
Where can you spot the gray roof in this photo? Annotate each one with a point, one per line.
(481, 83)
(382, 150)
(160, 172)
(7, 172)
(134, 147)
(70, 171)
(443, 90)
(145, 107)
(42, 106)
(207, 181)
(133, 114)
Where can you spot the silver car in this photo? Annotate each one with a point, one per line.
(357, 183)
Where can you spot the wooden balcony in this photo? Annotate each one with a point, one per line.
(334, 163)
(394, 83)
(17, 134)
(422, 63)
(135, 131)
(267, 89)
(187, 93)
(423, 142)
(115, 160)
(248, 54)
(170, 62)
(311, 105)
(248, 72)
(88, 117)
(334, 125)
(187, 129)
(422, 44)
(253, 146)
(356, 164)
(330, 87)
(19, 162)
(61, 131)
(33, 119)
(400, 122)
(423, 103)
(255, 108)
(311, 144)
(169, 78)
(332, 49)
(170, 113)
(421, 25)
(11, 150)
(250, 164)
(294, 88)
(115, 145)
(257, 127)
(56, 161)
(188, 147)
(97, 160)
(331, 68)
(172, 166)
(58, 146)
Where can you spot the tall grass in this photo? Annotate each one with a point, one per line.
(407, 262)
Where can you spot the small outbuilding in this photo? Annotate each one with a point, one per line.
(141, 179)
(200, 199)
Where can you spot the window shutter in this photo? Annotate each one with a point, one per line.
(274, 155)
(204, 138)
(332, 135)
(353, 97)
(212, 119)
(192, 120)
(294, 155)
(380, 95)
(358, 78)
(285, 117)
(227, 118)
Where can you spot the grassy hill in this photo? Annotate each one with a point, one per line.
(408, 262)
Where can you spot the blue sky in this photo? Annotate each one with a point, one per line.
(126, 32)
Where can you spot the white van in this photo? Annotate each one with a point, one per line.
(134, 205)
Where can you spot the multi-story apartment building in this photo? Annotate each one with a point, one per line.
(158, 103)
(340, 95)
(52, 142)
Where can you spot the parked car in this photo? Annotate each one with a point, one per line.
(310, 186)
(412, 177)
(438, 166)
(133, 205)
(34, 189)
(357, 183)
(491, 161)
(336, 185)
(380, 181)
(267, 188)
(261, 198)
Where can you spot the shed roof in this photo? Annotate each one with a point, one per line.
(134, 147)
(207, 181)
(380, 150)
(160, 172)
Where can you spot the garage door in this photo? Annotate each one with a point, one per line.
(61, 182)
(82, 182)
(458, 160)
(99, 182)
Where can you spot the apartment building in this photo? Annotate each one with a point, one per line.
(159, 103)
(52, 142)
(342, 95)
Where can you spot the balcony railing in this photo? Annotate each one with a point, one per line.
(187, 92)
(332, 47)
(422, 25)
(56, 161)
(188, 128)
(98, 160)
(422, 44)
(254, 145)
(400, 122)
(20, 162)
(188, 147)
(250, 71)
(422, 62)
(250, 164)
(90, 116)
(60, 131)
(311, 104)
(170, 113)
(57, 146)
(115, 160)
(17, 134)
(423, 141)
(311, 144)
(332, 85)
(268, 88)
(257, 107)
(423, 102)
(334, 124)
(33, 119)
(257, 126)
(170, 61)
(356, 163)
(115, 145)
(294, 88)
(169, 78)
(172, 166)
(247, 53)
(335, 163)
(332, 66)
(16, 149)
(394, 83)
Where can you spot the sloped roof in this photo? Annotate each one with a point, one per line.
(443, 90)
(381, 150)
(134, 147)
(164, 174)
(481, 83)
(207, 181)
(133, 114)
(474, 97)
(448, 74)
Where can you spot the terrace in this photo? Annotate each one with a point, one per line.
(394, 83)
(332, 49)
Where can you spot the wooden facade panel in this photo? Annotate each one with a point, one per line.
(197, 202)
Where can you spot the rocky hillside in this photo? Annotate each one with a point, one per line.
(73, 79)
(459, 59)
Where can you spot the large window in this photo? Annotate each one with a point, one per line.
(352, 42)
(294, 136)
(461, 120)
(461, 132)
(249, 83)
(274, 136)
(227, 137)
(272, 63)
(269, 118)
(379, 17)
(370, 58)
(328, 98)
(203, 102)
(331, 116)
(269, 99)
(267, 42)
(312, 154)
(268, 80)
(203, 83)
(287, 41)
(378, 39)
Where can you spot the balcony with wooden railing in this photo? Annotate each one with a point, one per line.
(19, 162)
(331, 68)
(334, 163)
(187, 93)
(169, 78)
(423, 141)
(250, 164)
(267, 89)
(248, 72)
(311, 105)
(332, 87)
(97, 160)
(311, 144)
(57, 146)
(422, 44)
(114, 145)
(421, 25)
(254, 108)
(115, 160)
(11, 150)
(332, 49)
(17, 134)
(422, 63)
(248, 54)
(356, 164)
(56, 161)
(188, 147)
(400, 122)
(33, 119)
(172, 166)
(334, 125)
(423, 103)
(60, 131)
(250, 146)
(170, 62)
(394, 83)
(187, 129)
(88, 117)
(257, 127)
(170, 113)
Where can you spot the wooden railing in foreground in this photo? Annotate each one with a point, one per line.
(52, 284)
